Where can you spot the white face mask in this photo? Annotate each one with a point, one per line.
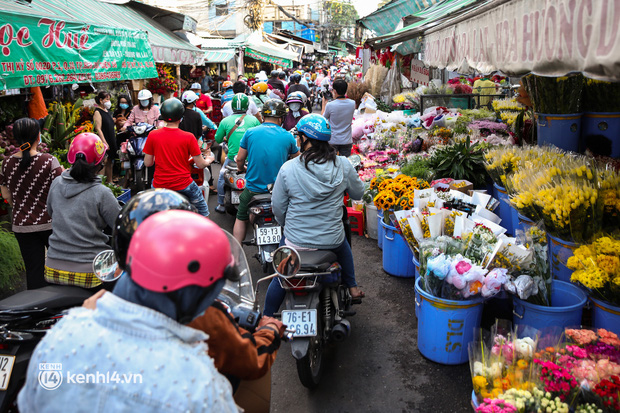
(295, 107)
(107, 104)
(144, 103)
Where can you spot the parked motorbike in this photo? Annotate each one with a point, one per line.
(24, 319)
(132, 157)
(234, 184)
(267, 231)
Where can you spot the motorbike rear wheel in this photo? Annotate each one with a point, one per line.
(310, 367)
(230, 208)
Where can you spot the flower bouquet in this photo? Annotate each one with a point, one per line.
(164, 83)
(601, 96)
(555, 95)
(596, 266)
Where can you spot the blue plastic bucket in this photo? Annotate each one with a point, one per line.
(559, 253)
(416, 264)
(380, 229)
(567, 301)
(563, 131)
(397, 257)
(524, 222)
(446, 327)
(605, 315)
(606, 124)
(505, 211)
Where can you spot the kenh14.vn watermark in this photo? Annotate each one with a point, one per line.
(51, 377)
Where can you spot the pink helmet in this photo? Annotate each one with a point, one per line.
(89, 145)
(175, 249)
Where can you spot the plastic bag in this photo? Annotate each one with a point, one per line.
(391, 85)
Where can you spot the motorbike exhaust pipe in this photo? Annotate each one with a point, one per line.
(341, 330)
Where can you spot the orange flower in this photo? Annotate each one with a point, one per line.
(475, 287)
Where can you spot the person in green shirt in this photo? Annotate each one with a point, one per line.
(231, 130)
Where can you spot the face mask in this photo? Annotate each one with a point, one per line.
(124, 106)
(144, 103)
(295, 107)
(107, 104)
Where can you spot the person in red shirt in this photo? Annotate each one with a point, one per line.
(204, 101)
(172, 148)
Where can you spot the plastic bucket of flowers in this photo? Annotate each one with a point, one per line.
(505, 210)
(397, 257)
(524, 222)
(563, 131)
(372, 222)
(605, 315)
(602, 112)
(559, 253)
(567, 301)
(380, 229)
(606, 124)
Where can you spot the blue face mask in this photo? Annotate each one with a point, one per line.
(124, 106)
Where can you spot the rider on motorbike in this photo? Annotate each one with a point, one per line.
(260, 94)
(146, 111)
(138, 334)
(80, 208)
(296, 102)
(307, 202)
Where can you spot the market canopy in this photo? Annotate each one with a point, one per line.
(219, 56)
(388, 17)
(38, 51)
(166, 46)
(257, 48)
(549, 38)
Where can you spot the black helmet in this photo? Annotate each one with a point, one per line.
(282, 75)
(274, 73)
(274, 108)
(296, 78)
(172, 110)
(140, 207)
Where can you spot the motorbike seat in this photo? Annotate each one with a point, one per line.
(259, 199)
(53, 296)
(316, 261)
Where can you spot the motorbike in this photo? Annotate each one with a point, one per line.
(24, 319)
(132, 157)
(234, 184)
(316, 305)
(267, 231)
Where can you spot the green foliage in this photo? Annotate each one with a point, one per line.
(60, 124)
(11, 109)
(460, 161)
(11, 262)
(341, 12)
(418, 168)
(383, 107)
(116, 190)
(61, 155)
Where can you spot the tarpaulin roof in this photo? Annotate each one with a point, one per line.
(166, 46)
(219, 55)
(388, 17)
(427, 18)
(539, 36)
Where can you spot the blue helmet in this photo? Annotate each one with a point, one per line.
(315, 127)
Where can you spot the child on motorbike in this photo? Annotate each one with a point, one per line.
(81, 207)
(138, 332)
(307, 202)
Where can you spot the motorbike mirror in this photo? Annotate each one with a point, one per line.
(355, 160)
(286, 261)
(105, 266)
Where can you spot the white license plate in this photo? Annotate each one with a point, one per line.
(303, 322)
(6, 367)
(268, 235)
(234, 197)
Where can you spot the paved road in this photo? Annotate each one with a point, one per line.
(378, 368)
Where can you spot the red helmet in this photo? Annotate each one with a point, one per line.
(89, 145)
(175, 249)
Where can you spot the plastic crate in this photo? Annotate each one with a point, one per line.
(125, 196)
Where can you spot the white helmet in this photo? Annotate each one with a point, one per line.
(196, 86)
(144, 94)
(189, 97)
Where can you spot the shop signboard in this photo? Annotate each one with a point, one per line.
(279, 61)
(546, 37)
(420, 73)
(37, 51)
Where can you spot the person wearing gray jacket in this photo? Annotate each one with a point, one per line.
(80, 207)
(307, 201)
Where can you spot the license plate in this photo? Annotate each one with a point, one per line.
(302, 321)
(234, 197)
(268, 235)
(6, 367)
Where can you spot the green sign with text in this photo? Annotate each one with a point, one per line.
(268, 58)
(38, 51)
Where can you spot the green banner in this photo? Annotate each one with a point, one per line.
(41, 51)
(268, 58)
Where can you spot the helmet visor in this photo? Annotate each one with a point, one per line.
(239, 292)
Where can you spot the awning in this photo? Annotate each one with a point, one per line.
(254, 54)
(549, 38)
(388, 17)
(307, 48)
(48, 51)
(257, 48)
(427, 19)
(219, 56)
(166, 46)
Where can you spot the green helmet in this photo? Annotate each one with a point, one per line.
(240, 103)
(274, 108)
(172, 110)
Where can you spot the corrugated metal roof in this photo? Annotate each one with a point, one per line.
(101, 14)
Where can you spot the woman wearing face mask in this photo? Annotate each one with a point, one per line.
(122, 111)
(144, 111)
(104, 128)
(296, 102)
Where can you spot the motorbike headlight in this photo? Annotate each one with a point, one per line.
(255, 210)
(139, 130)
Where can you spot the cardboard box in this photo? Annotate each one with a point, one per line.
(462, 185)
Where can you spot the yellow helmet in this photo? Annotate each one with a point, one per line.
(299, 72)
(260, 87)
(227, 84)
